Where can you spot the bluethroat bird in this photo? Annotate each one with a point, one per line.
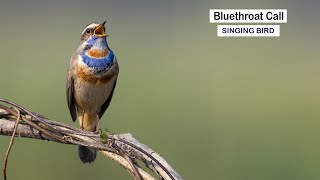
(91, 80)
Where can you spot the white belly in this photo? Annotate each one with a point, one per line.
(91, 97)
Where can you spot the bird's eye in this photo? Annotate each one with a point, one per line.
(88, 31)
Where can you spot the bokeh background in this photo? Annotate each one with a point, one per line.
(215, 108)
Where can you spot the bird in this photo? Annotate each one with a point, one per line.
(91, 80)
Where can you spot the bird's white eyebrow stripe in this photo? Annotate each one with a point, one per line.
(90, 26)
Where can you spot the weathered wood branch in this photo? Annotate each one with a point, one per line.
(124, 149)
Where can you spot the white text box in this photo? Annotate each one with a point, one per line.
(248, 16)
(248, 30)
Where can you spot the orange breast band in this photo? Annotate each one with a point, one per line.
(97, 53)
(84, 75)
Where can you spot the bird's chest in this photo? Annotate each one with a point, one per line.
(93, 77)
(92, 90)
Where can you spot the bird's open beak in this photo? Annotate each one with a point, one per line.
(100, 30)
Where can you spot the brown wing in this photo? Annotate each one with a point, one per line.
(107, 103)
(70, 97)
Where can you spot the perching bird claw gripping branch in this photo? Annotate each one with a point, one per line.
(17, 121)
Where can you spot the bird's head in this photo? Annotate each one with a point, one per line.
(93, 41)
(94, 50)
(93, 31)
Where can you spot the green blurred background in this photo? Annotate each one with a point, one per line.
(215, 108)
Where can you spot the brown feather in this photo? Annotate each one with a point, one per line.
(70, 95)
(84, 74)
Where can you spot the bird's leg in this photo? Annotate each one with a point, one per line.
(98, 129)
(81, 126)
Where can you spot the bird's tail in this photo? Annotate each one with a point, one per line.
(88, 122)
(86, 154)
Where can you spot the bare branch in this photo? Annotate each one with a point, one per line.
(122, 148)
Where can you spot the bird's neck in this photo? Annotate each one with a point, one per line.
(97, 42)
(97, 58)
(96, 54)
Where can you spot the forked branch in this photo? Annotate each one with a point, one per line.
(123, 148)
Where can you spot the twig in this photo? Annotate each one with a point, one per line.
(149, 155)
(135, 172)
(10, 145)
(122, 161)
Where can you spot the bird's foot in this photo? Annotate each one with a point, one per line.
(99, 131)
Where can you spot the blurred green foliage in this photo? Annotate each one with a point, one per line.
(215, 108)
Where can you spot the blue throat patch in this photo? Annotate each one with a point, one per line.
(98, 63)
